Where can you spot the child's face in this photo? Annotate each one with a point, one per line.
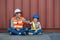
(35, 19)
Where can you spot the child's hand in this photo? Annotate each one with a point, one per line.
(35, 30)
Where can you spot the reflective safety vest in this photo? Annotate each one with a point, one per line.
(33, 26)
(17, 23)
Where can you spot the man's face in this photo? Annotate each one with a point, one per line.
(18, 14)
(35, 19)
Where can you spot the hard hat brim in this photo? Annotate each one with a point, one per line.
(18, 12)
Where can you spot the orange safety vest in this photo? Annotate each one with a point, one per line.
(17, 23)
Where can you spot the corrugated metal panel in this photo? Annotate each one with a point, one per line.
(9, 10)
(57, 14)
(42, 12)
(2, 14)
(48, 10)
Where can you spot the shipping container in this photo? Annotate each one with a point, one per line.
(48, 11)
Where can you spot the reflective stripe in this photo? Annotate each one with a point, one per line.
(15, 22)
(19, 22)
(18, 26)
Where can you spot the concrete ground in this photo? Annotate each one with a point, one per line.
(44, 36)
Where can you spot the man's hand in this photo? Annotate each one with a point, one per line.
(18, 29)
(28, 22)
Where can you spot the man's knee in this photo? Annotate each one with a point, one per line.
(9, 29)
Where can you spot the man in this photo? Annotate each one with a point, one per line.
(17, 23)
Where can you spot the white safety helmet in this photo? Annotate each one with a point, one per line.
(17, 10)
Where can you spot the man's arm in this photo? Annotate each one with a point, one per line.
(25, 21)
(12, 25)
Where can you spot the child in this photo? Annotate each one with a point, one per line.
(35, 25)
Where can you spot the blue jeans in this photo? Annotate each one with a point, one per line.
(14, 31)
(35, 33)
